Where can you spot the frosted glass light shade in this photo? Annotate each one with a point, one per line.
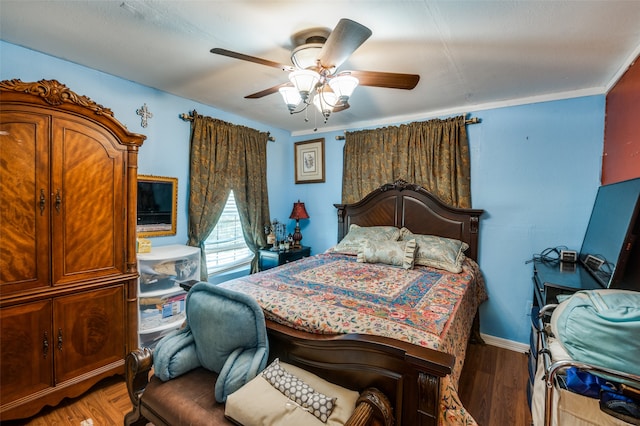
(291, 97)
(343, 86)
(305, 81)
(324, 102)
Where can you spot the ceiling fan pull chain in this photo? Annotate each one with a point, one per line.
(315, 120)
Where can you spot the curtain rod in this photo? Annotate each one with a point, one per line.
(473, 120)
(189, 117)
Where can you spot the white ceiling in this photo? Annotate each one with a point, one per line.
(469, 54)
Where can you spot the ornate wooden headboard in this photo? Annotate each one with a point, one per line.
(409, 205)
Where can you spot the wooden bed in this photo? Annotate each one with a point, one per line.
(411, 376)
(408, 374)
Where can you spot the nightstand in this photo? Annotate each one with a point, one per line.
(272, 258)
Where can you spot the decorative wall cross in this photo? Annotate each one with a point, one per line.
(145, 114)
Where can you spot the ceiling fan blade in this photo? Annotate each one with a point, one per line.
(269, 91)
(242, 56)
(390, 80)
(345, 38)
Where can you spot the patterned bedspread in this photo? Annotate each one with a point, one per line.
(331, 293)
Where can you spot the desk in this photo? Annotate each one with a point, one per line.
(550, 280)
(553, 278)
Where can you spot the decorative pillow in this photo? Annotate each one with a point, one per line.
(359, 234)
(395, 253)
(437, 252)
(259, 403)
(299, 392)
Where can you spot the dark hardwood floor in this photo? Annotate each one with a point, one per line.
(492, 387)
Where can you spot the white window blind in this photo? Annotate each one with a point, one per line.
(225, 247)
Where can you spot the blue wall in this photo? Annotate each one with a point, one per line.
(535, 171)
(166, 150)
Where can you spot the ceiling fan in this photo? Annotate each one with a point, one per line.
(314, 77)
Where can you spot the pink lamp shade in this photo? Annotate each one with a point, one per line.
(298, 212)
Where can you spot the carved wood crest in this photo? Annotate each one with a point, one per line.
(400, 185)
(54, 93)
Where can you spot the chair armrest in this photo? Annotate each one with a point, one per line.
(372, 404)
(138, 365)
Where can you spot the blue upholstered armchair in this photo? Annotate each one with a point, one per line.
(225, 333)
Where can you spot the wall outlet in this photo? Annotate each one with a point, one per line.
(593, 262)
(568, 256)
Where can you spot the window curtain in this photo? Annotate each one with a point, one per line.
(433, 154)
(227, 157)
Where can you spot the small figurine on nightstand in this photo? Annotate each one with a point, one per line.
(271, 237)
(276, 235)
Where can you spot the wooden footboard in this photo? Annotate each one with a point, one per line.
(407, 374)
(149, 397)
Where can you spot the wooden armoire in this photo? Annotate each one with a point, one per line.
(68, 273)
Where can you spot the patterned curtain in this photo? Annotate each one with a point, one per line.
(433, 154)
(227, 157)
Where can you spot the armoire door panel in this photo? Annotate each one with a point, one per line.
(24, 220)
(89, 331)
(88, 204)
(68, 183)
(26, 350)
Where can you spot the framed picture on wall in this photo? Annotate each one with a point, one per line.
(309, 161)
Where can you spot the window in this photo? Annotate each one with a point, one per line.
(225, 247)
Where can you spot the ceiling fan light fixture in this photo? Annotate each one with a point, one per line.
(316, 55)
(343, 86)
(291, 97)
(306, 56)
(324, 102)
(305, 82)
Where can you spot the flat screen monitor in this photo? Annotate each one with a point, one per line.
(157, 202)
(610, 235)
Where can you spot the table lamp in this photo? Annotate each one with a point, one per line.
(298, 212)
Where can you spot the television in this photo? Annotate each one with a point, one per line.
(610, 250)
(157, 205)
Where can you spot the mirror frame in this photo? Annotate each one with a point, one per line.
(169, 229)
